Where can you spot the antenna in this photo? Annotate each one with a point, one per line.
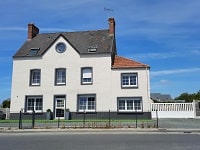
(108, 10)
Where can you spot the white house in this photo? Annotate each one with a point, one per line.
(79, 71)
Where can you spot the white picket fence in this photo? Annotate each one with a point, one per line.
(173, 110)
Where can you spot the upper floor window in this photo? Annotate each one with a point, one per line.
(129, 80)
(86, 75)
(35, 77)
(60, 76)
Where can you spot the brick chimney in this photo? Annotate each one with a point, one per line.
(32, 31)
(111, 26)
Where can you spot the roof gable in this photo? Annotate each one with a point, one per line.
(121, 62)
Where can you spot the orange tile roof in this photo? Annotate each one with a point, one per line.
(121, 62)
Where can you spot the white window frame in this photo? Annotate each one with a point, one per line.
(60, 106)
(129, 80)
(35, 103)
(60, 76)
(85, 103)
(35, 77)
(86, 75)
(130, 104)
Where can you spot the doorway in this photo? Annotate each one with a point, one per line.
(60, 105)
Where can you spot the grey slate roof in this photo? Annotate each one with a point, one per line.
(160, 97)
(80, 41)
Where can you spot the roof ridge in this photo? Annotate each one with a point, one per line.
(60, 32)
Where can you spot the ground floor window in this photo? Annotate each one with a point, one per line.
(129, 104)
(86, 103)
(34, 103)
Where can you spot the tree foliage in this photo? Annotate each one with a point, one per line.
(6, 103)
(189, 97)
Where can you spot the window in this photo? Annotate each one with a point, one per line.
(61, 47)
(34, 51)
(92, 49)
(60, 78)
(86, 75)
(130, 104)
(35, 77)
(86, 103)
(129, 80)
(34, 103)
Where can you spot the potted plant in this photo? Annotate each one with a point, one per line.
(49, 114)
(67, 114)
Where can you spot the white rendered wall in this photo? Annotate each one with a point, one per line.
(142, 90)
(70, 60)
(106, 81)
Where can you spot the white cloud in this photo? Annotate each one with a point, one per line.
(56, 30)
(166, 55)
(143, 56)
(196, 52)
(174, 71)
(164, 81)
(13, 28)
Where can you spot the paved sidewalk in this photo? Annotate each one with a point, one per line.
(101, 131)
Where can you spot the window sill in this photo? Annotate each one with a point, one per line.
(86, 83)
(86, 112)
(130, 112)
(129, 87)
(30, 113)
(35, 85)
(60, 84)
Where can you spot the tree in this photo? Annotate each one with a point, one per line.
(189, 97)
(6, 103)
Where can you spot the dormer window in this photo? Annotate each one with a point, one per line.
(92, 49)
(34, 51)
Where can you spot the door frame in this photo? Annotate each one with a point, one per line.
(56, 98)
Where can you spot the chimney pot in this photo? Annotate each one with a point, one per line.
(32, 31)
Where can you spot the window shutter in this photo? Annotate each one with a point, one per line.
(87, 73)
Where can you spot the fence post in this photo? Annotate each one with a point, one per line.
(84, 118)
(136, 117)
(58, 122)
(109, 118)
(20, 119)
(156, 118)
(33, 119)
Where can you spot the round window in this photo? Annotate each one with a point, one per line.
(60, 47)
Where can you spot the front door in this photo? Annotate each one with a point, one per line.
(60, 107)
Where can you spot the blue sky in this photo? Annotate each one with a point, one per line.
(163, 34)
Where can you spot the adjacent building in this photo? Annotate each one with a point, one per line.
(158, 97)
(78, 72)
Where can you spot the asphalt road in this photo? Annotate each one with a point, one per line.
(99, 141)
